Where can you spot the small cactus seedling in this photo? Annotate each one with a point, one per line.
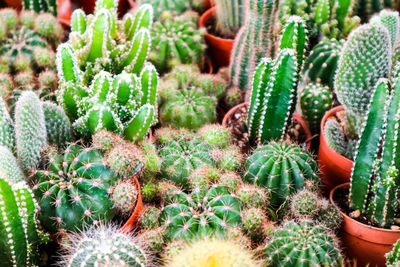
(282, 169)
(124, 196)
(215, 135)
(252, 196)
(294, 244)
(254, 221)
(149, 218)
(305, 204)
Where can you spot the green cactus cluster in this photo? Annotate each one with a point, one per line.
(105, 82)
(282, 169)
(189, 98)
(299, 244)
(40, 6)
(230, 16)
(177, 7)
(176, 40)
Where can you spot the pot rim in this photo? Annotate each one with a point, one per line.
(204, 18)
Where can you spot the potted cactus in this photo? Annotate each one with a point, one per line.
(366, 57)
(369, 202)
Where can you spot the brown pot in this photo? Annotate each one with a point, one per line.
(16, 4)
(130, 223)
(335, 168)
(219, 48)
(363, 243)
(296, 117)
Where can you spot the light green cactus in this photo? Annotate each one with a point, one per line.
(230, 16)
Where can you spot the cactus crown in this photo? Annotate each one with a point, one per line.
(105, 82)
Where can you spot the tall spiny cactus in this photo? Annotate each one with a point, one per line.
(6, 127)
(229, 16)
(41, 6)
(104, 78)
(254, 41)
(365, 58)
(9, 165)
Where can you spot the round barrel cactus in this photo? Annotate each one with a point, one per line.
(201, 213)
(282, 169)
(73, 190)
(302, 244)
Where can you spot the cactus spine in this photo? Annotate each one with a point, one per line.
(229, 16)
(254, 41)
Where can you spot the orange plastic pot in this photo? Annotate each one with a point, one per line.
(363, 243)
(64, 13)
(296, 117)
(219, 48)
(335, 168)
(130, 223)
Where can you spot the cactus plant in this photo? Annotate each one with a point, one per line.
(58, 126)
(315, 100)
(365, 8)
(73, 190)
(104, 246)
(296, 244)
(215, 252)
(41, 6)
(282, 169)
(305, 204)
(215, 135)
(392, 257)
(200, 213)
(124, 196)
(125, 159)
(254, 41)
(254, 221)
(230, 16)
(105, 82)
(149, 218)
(252, 196)
(176, 41)
(175, 6)
(9, 166)
(320, 65)
(6, 127)
(19, 237)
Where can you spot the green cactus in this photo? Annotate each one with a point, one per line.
(215, 135)
(203, 177)
(315, 101)
(154, 239)
(19, 237)
(365, 8)
(230, 16)
(150, 193)
(175, 6)
(9, 166)
(149, 218)
(105, 141)
(304, 204)
(254, 221)
(6, 127)
(41, 6)
(254, 41)
(320, 65)
(366, 57)
(335, 137)
(58, 126)
(105, 82)
(252, 196)
(393, 257)
(231, 159)
(231, 180)
(282, 169)
(104, 247)
(124, 196)
(73, 190)
(296, 244)
(125, 159)
(200, 213)
(329, 215)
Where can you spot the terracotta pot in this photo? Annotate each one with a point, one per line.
(219, 48)
(207, 66)
(16, 4)
(130, 223)
(64, 12)
(296, 117)
(363, 243)
(335, 168)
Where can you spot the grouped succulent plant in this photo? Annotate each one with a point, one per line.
(282, 169)
(189, 98)
(175, 6)
(302, 243)
(105, 82)
(40, 6)
(230, 16)
(20, 236)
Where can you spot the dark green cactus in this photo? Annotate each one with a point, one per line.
(203, 213)
(366, 8)
(315, 100)
(73, 190)
(40, 6)
(296, 244)
(177, 40)
(282, 169)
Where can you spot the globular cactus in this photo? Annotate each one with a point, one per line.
(214, 252)
(103, 246)
(215, 135)
(230, 16)
(305, 204)
(252, 196)
(254, 220)
(231, 159)
(273, 97)
(296, 244)
(282, 169)
(105, 140)
(124, 196)
(329, 215)
(167, 190)
(20, 237)
(149, 218)
(203, 177)
(125, 159)
(231, 180)
(58, 126)
(254, 41)
(315, 100)
(175, 6)
(105, 82)
(335, 136)
(41, 6)
(73, 190)
(150, 192)
(200, 213)
(393, 257)
(366, 57)
(321, 64)
(177, 40)
(153, 239)
(151, 158)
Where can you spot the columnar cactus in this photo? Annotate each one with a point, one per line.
(230, 16)
(218, 252)
(9, 166)
(315, 100)
(58, 126)
(393, 257)
(104, 247)
(6, 127)
(320, 66)
(177, 40)
(300, 244)
(175, 6)
(254, 41)
(201, 213)
(41, 6)
(73, 190)
(105, 82)
(19, 236)
(282, 169)
(365, 58)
